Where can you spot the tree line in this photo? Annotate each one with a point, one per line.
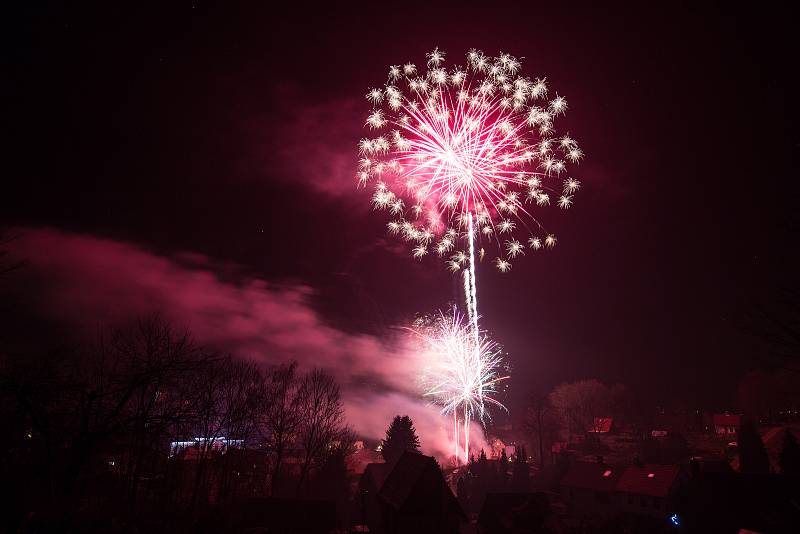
(100, 426)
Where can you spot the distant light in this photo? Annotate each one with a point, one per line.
(607, 473)
(651, 475)
(216, 443)
(675, 520)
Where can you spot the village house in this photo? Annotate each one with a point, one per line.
(411, 496)
(727, 424)
(601, 490)
(647, 489)
(588, 487)
(369, 486)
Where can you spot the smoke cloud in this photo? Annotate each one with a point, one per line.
(85, 282)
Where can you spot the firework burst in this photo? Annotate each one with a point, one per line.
(453, 148)
(462, 372)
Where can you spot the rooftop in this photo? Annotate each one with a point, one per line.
(591, 475)
(649, 479)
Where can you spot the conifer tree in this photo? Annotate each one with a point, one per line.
(503, 463)
(400, 436)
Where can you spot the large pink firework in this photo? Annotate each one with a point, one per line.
(476, 143)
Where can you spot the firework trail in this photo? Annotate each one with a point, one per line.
(462, 371)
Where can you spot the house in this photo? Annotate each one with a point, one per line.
(412, 497)
(727, 424)
(514, 513)
(600, 490)
(369, 486)
(588, 488)
(601, 425)
(647, 489)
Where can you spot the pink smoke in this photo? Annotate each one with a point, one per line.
(86, 282)
(316, 149)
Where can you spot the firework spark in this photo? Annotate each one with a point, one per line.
(462, 371)
(474, 141)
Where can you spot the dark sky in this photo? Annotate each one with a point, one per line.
(230, 133)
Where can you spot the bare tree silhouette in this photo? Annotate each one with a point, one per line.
(281, 417)
(321, 420)
(777, 323)
(579, 403)
(541, 421)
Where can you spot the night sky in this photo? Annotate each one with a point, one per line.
(225, 138)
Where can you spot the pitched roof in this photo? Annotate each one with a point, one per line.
(414, 473)
(376, 474)
(403, 477)
(591, 475)
(649, 479)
